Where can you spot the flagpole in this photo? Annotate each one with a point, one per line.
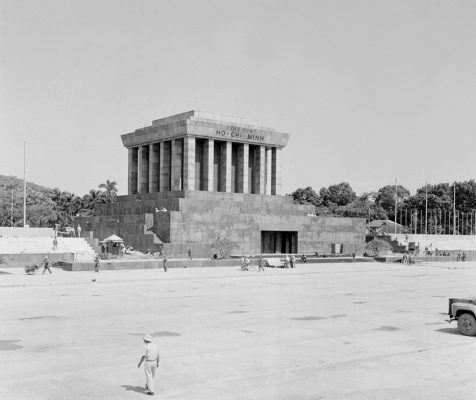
(24, 184)
(426, 209)
(454, 209)
(395, 230)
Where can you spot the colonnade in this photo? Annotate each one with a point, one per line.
(190, 163)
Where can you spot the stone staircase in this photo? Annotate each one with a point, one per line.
(82, 251)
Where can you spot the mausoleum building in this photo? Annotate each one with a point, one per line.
(194, 178)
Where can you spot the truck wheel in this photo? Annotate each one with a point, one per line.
(467, 325)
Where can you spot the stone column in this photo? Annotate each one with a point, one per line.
(176, 163)
(164, 166)
(243, 170)
(268, 170)
(133, 169)
(225, 181)
(262, 170)
(154, 167)
(208, 160)
(144, 169)
(189, 163)
(276, 171)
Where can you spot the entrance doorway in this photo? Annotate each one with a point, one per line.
(279, 242)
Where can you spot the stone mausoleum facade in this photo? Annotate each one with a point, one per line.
(196, 177)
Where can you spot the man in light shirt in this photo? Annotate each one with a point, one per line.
(150, 358)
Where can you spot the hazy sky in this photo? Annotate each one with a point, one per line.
(368, 90)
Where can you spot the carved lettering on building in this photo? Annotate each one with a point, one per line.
(240, 133)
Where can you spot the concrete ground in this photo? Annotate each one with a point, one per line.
(339, 331)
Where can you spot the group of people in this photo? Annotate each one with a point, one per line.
(289, 261)
(408, 259)
(246, 263)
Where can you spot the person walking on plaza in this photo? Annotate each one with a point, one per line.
(46, 265)
(260, 264)
(189, 252)
(55, 243)
(96, 263)
(292, 261)
(78, 229)
(150, 358)
(165, 263)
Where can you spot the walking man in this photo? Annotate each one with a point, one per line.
(260, 265)
(78, 229)
(55, 243)
(96, 263)
(189, 252)
(46, 265)
(150, 358)
(165, 263)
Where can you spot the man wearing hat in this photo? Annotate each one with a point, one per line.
(46, 265)
(150, 358)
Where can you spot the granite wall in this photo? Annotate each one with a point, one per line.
(197, 218)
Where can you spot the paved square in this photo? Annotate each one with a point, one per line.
(328, 331)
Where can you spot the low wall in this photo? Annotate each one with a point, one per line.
(26, 232)
(22, 260)
(151, 264)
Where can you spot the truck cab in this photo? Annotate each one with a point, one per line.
(464, 312)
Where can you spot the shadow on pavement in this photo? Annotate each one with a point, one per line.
(138, 389)
(452, 331)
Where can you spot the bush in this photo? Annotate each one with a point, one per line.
(224, 247)
(377, 246)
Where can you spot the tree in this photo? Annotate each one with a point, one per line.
(110, 190)
(306, 196)
(386, 198)
(377, 246)
(337, 195)
(90, 200)
(224, 247)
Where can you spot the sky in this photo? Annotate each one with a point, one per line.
(369, 91)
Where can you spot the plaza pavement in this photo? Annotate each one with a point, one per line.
(321, 331)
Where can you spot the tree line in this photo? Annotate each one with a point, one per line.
(435, 208)
(46, 207)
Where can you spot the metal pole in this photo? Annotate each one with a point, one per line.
(396, 195)
(24, 184)
(454, 209)
(11, 212)
(444, 223)
(426, 209)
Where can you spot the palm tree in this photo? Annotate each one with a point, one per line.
(110, 190)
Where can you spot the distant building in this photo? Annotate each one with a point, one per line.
(196, 177)
(384, 226)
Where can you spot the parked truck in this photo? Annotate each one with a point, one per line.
(464, 312)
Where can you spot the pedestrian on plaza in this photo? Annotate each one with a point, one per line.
(353, 256)
(46, 265)
(55, 243)
(292, 261)
(286, 261)
(189, 252)
(164, 260)
(260, 264)
(78, 229)
(463, 257)
(458, 257)
(304, 258)
(150, 358)
(96, 263)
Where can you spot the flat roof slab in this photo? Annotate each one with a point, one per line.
(346, 331)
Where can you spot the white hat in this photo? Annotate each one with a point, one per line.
(46, 256)
(147, 338)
